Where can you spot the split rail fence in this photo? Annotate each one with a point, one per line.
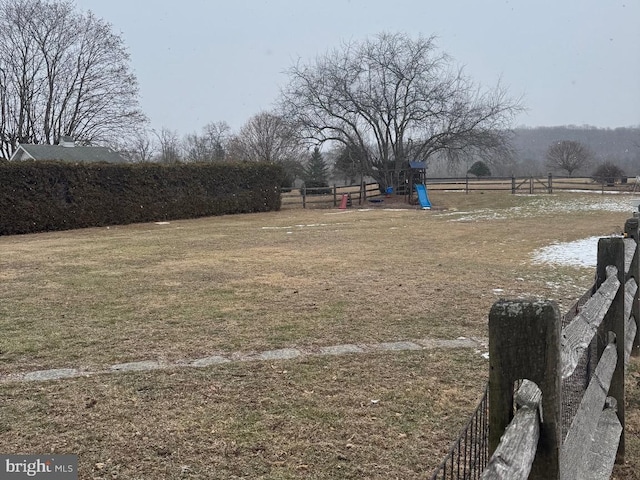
(556, 398)
(529, 347)
(530, 184)
(327, 197)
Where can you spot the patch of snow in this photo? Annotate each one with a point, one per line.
(545, 205)
(456, 212)
(481, 215)
(312, 225)
(580, 253)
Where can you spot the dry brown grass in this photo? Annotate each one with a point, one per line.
(312, 418)
(91, 298)
(631, 469)
(100, 296)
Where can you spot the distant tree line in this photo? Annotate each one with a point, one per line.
(564, 150)
(575, 150)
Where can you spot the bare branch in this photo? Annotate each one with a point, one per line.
(62, 72)
(397, 99)
(568, 155)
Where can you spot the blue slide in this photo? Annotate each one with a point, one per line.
(423, 196)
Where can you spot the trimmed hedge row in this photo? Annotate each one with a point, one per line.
(47, 196)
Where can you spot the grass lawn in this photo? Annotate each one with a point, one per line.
(174, 292)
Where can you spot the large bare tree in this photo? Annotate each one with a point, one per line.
(568, 155)
(268, 137)
(62, 72)
(397, 99)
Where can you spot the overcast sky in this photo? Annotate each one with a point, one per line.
(199, 61)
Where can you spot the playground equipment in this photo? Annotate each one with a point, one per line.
(423, 196)
(416, 175)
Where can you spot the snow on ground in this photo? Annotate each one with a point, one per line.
(547, 204)
(579, 253)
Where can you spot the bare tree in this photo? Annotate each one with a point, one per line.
(608, 173)
(62, 72)
(210, 146)
(396, 99)
(568, 155)
(169, 146)
(267, 137)
(138, 147)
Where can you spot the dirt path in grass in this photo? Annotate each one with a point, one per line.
(479, 344)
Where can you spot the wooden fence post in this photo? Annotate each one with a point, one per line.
(335, 195)
(513, 184)
(524, 343)
(304, 196)
(530, 185)
(466, 184)
(632, 230)
(611, 253)
(550, 186)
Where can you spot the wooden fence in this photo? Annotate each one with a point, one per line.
(529, 348)
(530, 184)
(327, 197)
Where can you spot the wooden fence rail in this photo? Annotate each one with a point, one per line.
(527, 342)
(327, 197)
(529, 184)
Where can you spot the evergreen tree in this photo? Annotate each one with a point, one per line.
(479, 169)
(350, 163)
(316, 171)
